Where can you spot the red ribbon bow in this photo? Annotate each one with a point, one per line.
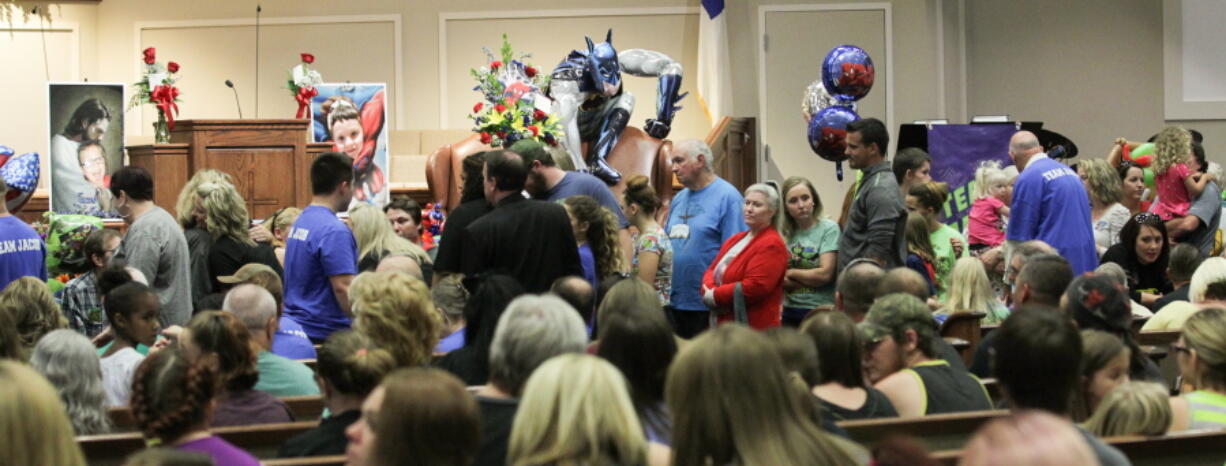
(305, 94)
(164, 96)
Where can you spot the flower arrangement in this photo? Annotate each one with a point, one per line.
(514, 107)
(157, 87)
(301, 83)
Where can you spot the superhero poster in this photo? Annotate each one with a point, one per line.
(353, 117)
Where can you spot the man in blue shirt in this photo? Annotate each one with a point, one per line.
(321, 256)
(702, 216)
(22, 251)
(1050, 204)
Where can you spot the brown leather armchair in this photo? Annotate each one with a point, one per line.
(636, 153)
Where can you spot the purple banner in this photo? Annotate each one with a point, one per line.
(956, 151)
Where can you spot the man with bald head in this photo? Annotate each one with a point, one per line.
(403, 264)
(279, 376)
(1050, 204)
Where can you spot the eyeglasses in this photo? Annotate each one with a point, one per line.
(1181, 348)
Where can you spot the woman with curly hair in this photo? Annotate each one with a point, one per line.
(1106, 189)
(225, 218)
(377, 240)
(69, 361)
(172, 401)
(222, 336)
(395, 311)
(190, 216)
(36, 313)
(1176, 184)
(596, 232)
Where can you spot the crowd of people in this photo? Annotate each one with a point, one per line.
(559, 323)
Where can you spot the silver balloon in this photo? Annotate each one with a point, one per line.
(817, 99)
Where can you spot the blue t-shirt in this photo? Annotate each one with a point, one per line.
(588, 260)
(451, 342)
(1050, 204)
(290, 341)
(698, 224)
(22, 252)
(576, 183)
(319, 246)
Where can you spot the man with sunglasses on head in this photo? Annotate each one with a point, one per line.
(1050, 204)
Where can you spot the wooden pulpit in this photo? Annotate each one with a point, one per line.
(269, 160)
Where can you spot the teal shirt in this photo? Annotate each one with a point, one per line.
(281, 377)
(140, 348)
(805, 249)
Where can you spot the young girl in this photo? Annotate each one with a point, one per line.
(990, 210)
(1133, 408)
(970, 290)
(222, 336)
(1176, 184)
(813, 244)
(132, 309)
(596, 232)
(927, 199)
(919, 250)
(172, 401)
(653, 252)
(1104, 365)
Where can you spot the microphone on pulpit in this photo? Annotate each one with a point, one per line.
(230, 84)
(257, 59)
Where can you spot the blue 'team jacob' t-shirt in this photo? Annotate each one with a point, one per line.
(319, 246)
(698, 224)
(22, 251)
(1050, 204)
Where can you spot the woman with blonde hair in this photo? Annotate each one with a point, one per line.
(33, 426)
(377, 240)
(1201, 354)
(1028, 437)
(1106, 212)
(395, 311)
(813, 244)
(750, 266)
(190, 216)
(584, 416)
(225, 218)
(970, 290)
(70, 362)
(416, 416)
(35, 311)
(767, 423)
(1134, 408)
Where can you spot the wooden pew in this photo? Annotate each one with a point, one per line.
(305, 408)
(965, 326)
(1184, 448)
(936, 432)
(1161, 338)
(261, 440)
(336, 460)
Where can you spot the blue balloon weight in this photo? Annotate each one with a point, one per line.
(848, 73)
(828, 134)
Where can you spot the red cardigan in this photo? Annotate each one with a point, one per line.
(759, 268)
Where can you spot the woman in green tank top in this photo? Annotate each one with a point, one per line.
(1201, 353)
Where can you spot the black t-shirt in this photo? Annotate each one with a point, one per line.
(326, 439)
(532, 241)
(497, 415)
(463, 363)
(875, 405)
(1148, 278)
(227, 255)
(449, 254)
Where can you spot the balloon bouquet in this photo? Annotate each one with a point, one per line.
(1143, 156)
(20, 173)
(830, 103)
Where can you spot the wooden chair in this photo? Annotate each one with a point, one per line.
(261, 440)
(937, 432)
(964, 325)
(305, 408)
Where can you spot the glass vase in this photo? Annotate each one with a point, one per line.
(161, 133)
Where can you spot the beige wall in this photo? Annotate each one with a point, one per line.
(1091, 69)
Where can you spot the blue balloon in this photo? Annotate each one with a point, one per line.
(848, 73)
(828, 134)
